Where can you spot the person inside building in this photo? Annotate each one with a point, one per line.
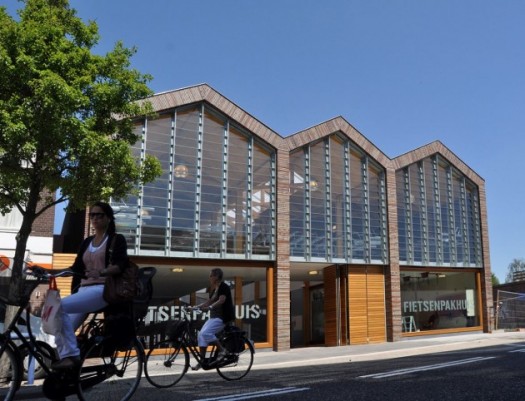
(92, 263)
(220, 305)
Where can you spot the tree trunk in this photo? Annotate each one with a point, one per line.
(17, 280)
(16, 287)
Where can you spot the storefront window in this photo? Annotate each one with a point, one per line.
(438, 300)
(189, 287)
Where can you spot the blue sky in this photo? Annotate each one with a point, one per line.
(403, 73)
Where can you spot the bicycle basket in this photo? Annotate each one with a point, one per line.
(20, 299)
(232, 339)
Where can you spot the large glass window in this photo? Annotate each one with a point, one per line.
(216, 194)
(431, 212)
(155, 194)
(238, 146)
(432, 300)
(445, 197)
(262, 202)
(357, 207)
(318, 221)
(190, 287)
(377, 224)
(337, 203)
(338, 173)
(128, 213)
(211, 188)
(183, 210)
(403, 213)
(438, 215)
(297, 204)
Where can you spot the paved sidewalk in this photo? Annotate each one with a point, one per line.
(265, 359)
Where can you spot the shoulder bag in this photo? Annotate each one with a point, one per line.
(120, 287)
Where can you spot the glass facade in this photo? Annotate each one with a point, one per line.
(438, 216)
(337, 204)
(215, 197)
(432, 300)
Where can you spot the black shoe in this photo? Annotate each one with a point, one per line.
(222, 355)
(196, 367)
(220, 358)
(66, 363)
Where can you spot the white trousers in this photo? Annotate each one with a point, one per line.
(75, 308)
(208, 331)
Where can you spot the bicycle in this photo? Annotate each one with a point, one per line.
(111, 362)
(168, 360)
(12, 355)
(107, 366)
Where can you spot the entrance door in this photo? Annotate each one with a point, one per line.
(317, 315)
(366, 301)
(307, 324)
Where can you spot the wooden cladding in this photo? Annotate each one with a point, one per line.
(331, 329)
(355, 312)
(366, 300)
(63, 261)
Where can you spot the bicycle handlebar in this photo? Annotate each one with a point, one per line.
(43, 273)
(188, 309)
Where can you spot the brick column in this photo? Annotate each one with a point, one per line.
(281, 279)
(392, 277)
(486, 275)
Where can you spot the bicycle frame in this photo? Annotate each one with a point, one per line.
(189, 341)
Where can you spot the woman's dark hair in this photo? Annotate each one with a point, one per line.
(108, 211)
(217, 273)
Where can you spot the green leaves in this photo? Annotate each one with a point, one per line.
(65, 112)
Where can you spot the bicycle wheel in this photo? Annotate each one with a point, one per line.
(10, 372)
(236, 366)
(46, 351)
(166, 364)
(106, 374)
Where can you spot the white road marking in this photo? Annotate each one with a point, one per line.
(424, 368)
(264, 393)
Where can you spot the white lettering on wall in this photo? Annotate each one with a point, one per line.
(434, 305)
(164, 313)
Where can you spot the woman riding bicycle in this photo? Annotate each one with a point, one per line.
(220, 305)
(92, 262)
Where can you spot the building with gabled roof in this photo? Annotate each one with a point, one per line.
(322, 237)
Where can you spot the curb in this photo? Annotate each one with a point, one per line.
(317, 356)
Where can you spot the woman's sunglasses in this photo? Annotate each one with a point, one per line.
(92, 215)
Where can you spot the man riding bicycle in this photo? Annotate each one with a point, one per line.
(220, 305)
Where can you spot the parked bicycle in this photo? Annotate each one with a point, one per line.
(168, 360)
(110, 369)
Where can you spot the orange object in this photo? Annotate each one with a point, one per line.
(4, 263)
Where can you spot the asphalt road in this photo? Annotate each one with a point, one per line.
(475, 367)
(489, 373)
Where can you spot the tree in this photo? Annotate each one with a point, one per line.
(65, 117)
(515, 270)
(495, 280)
